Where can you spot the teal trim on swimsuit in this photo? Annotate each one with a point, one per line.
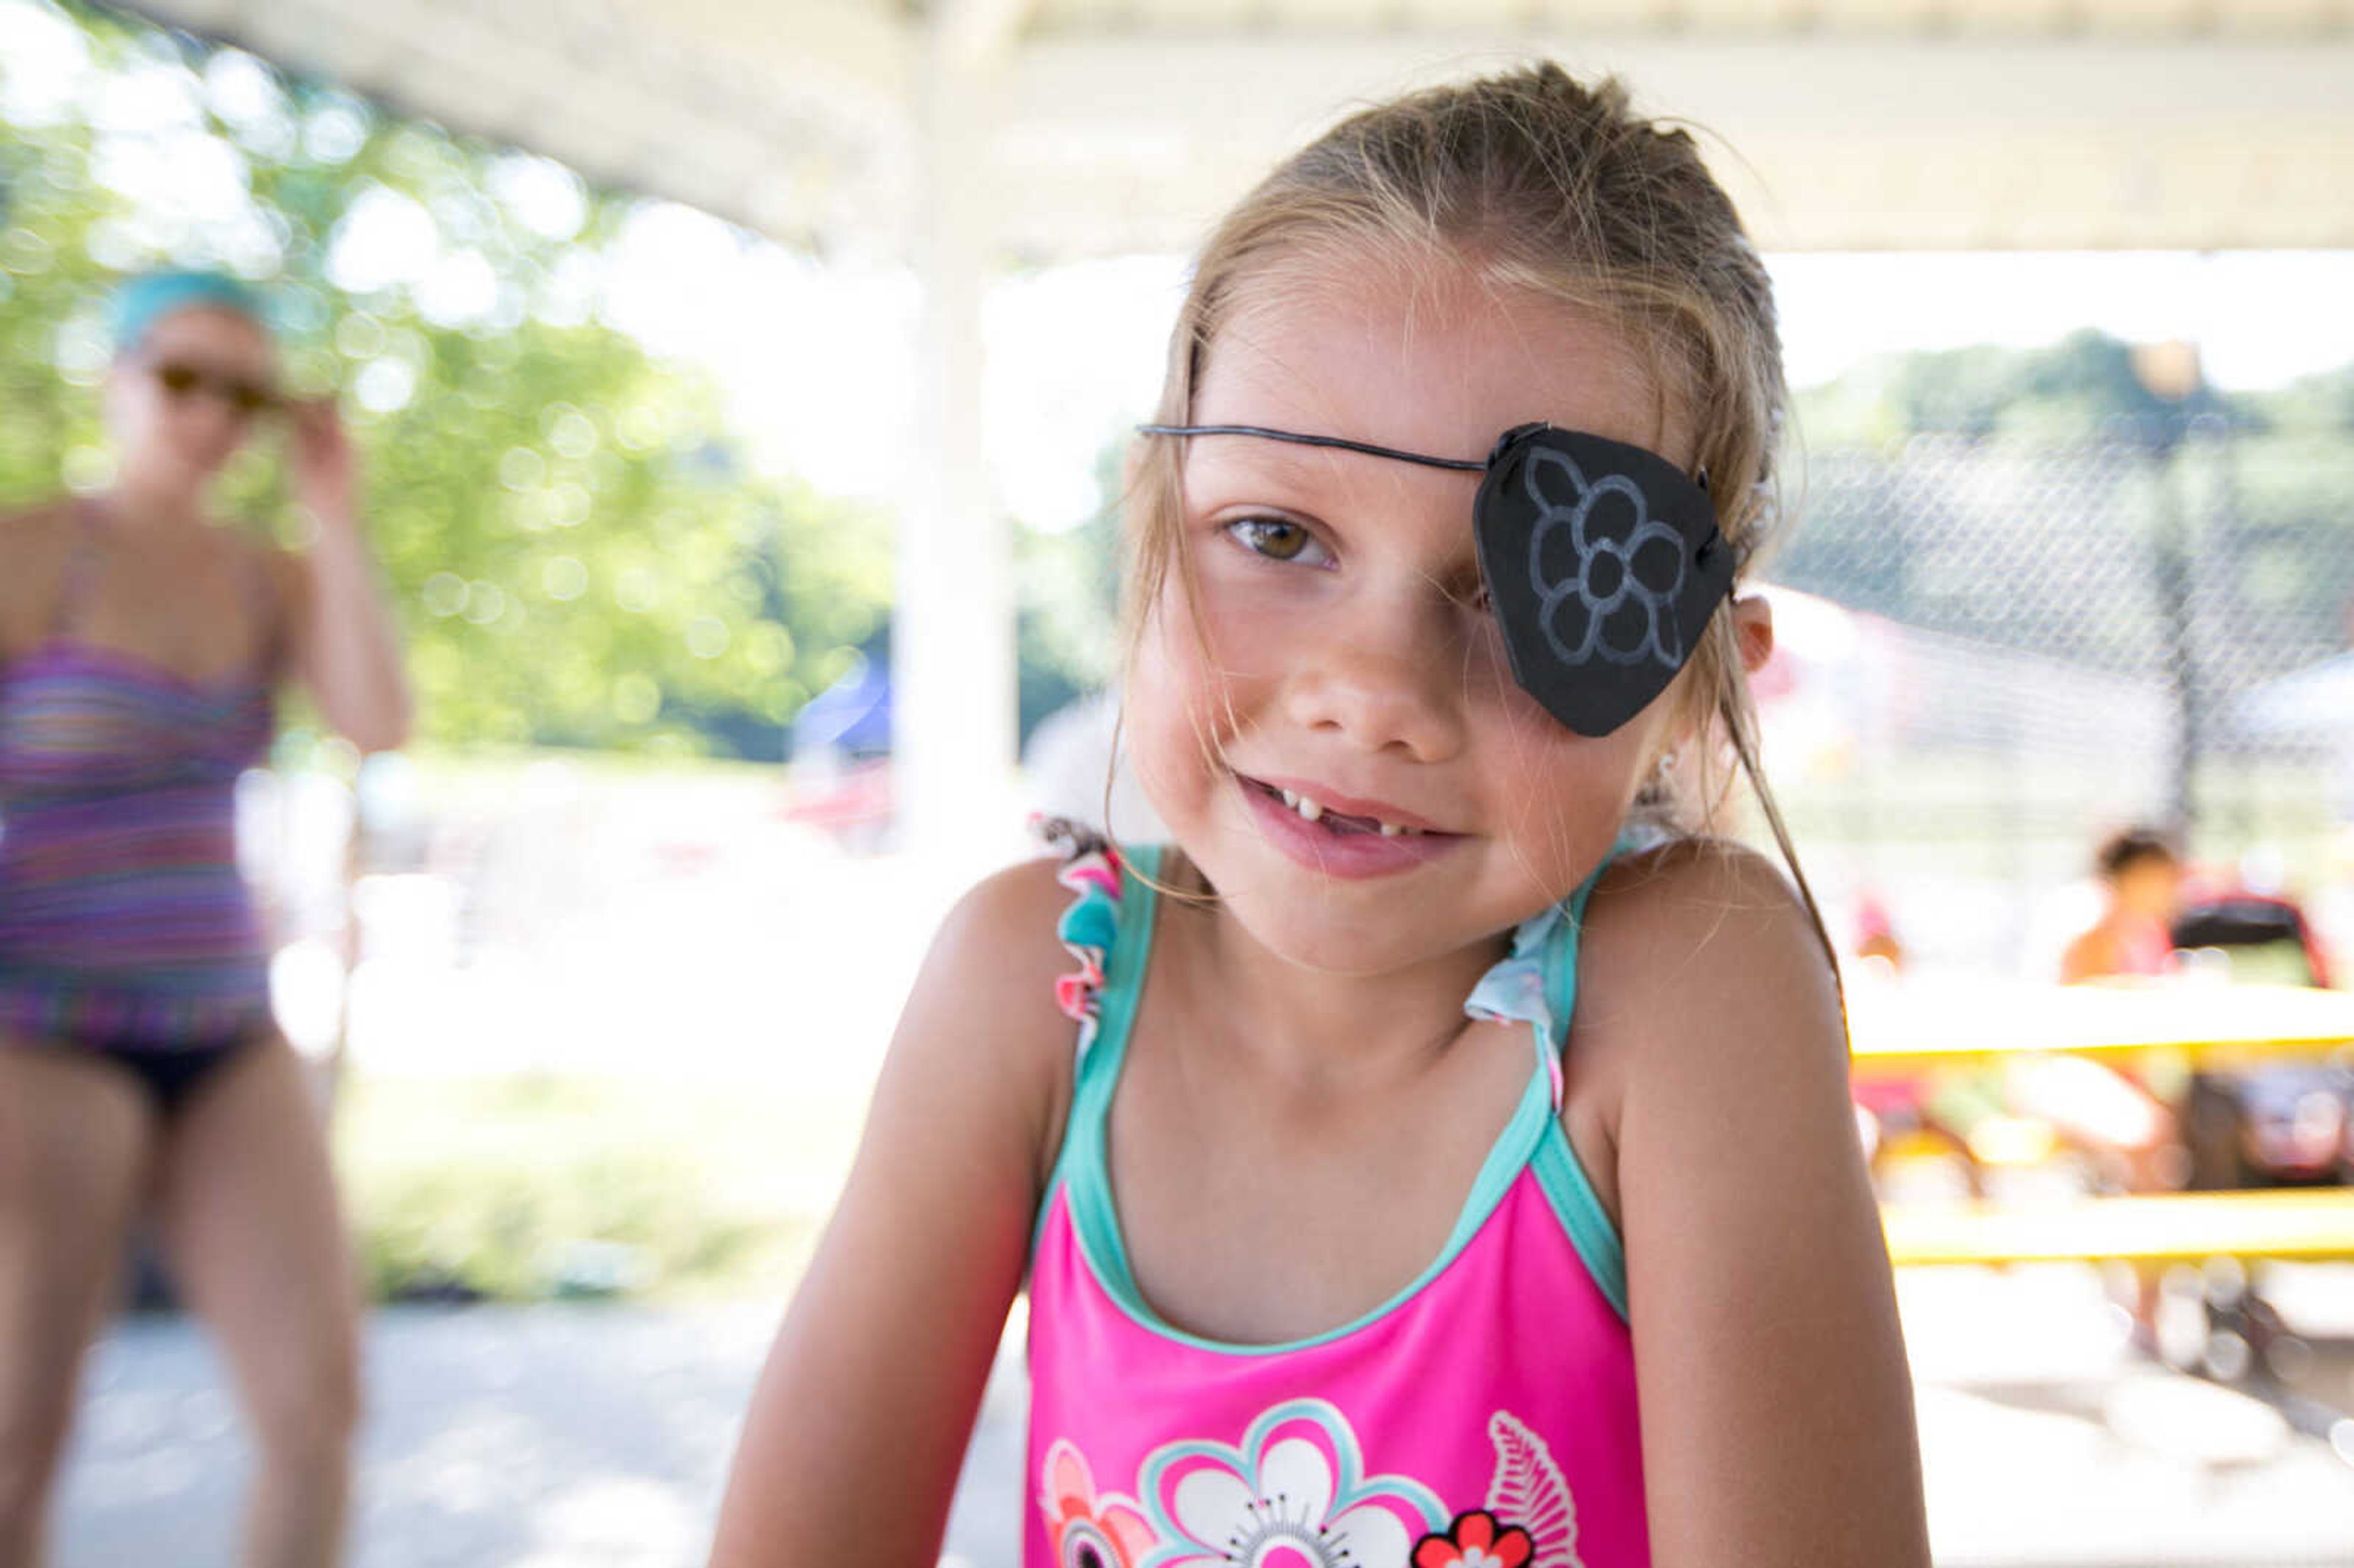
(1561, 962)
(1529, 1140)
(1078, 1170)
(1096, 1227)
(1563, 1182)
(1559, 1173)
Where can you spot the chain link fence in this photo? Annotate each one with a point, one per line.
(1997, 652)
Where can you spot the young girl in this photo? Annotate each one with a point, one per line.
(1454, 1162)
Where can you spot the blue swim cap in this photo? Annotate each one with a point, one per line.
(147, 298)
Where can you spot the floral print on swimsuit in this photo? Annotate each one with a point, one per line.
(1445, 1428)
(1293, 1494)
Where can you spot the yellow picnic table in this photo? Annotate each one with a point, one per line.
(2291, 1225)
(1904, 1027)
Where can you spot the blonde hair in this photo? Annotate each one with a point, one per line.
(1535, 182)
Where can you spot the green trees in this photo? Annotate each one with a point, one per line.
(577, 551)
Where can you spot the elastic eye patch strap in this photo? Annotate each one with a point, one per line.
(1602, 560)
(1464, 465)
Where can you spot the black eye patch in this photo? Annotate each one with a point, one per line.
(1602, 560)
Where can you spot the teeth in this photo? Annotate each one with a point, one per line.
(1313, 811)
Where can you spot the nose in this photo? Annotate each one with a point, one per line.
(210, 425)
(1386, 672)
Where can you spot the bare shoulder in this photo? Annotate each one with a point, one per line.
(987, 1003)
(17, 521)
(1778, 1423)
(282, 561)
(1702, 886)
(1698, 966)
(34, 532)
(1778, 1428)
(2091, 953)
(884, 1354)
(1704, 939)
(997, 951)
(285, 569)
(33, 547)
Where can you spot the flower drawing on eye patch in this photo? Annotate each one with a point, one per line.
(1607, 574)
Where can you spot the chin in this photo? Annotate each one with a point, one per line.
(175, 470)
(1331, 925)
(1327, 940)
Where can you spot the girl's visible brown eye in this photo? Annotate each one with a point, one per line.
(1276, 540)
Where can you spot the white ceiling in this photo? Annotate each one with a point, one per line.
(1098, 126)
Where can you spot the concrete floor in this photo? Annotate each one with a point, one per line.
(529, 1437)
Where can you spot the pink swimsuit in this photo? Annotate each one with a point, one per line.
(1484, 1417)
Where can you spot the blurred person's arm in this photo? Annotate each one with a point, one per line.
(343, 644)
(868, 1397)
(2089, 957)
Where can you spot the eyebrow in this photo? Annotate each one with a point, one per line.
(1342, 443)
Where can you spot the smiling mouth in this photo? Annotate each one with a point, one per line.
(1340, 823)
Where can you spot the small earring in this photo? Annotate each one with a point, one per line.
(1668, 759)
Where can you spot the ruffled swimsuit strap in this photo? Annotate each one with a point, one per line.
(1108, 931)
(1091, 870)
(1536, 983)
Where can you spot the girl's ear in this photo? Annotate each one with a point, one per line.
(1753, 629)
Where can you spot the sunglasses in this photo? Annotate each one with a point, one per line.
(245, 398)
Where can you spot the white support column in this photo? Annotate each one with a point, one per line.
(952, 632)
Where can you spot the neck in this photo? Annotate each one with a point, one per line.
(1320, 1026)
(143, 498)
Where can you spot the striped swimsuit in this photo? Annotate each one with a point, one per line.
(126, 928)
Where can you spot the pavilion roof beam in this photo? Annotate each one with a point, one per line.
(1845, 83)
(789, 118)
(976, 35)
(861, 56)
(1974, 144)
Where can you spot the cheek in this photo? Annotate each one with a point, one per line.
(130, 414)
(1173, 708)
(1204, 663)
(1545, 772)
(1521, 723)
(214, 430)
(1513, 725)
(1237, 631)
(198, 434)
(1519, 717)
